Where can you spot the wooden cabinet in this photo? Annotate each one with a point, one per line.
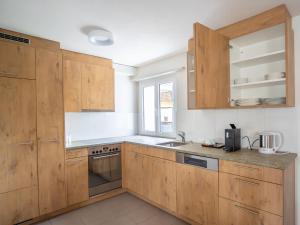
(17, 60)
(211, 65)
(163, 183)
(247, 64)
(72, 85)
(197, 194)
(50, 131)
(256, 194)
(77, 179)
(233, 213)
(150, 177)
(18, 206)
(18, 151)
(88, 83)
(97, 88)
(210, 87)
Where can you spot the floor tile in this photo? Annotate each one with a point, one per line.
(124, 209)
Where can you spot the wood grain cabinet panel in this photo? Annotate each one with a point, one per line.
(17, 60)
(18, 206)
(77, 180)
(134, 172)
(50, 128)
(233, 213)
(97, 87)
(151, 177)
(252, 171)
(162, 183)
(197, 194)
(72, 85)
(254, 193)
(76, 153)
(18, 152)
(88, 83)
(211, 68)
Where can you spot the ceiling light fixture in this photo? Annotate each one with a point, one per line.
(101, 37)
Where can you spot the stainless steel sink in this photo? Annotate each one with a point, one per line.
(172, 144)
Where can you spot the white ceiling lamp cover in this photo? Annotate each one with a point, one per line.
(101, 37)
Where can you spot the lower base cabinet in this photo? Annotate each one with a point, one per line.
(152, 178)
(77, 180)
(197, 194)
(233, 213)
(18, 206)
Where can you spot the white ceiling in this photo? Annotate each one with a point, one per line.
(143, 30)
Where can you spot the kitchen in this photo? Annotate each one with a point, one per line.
(111, 134)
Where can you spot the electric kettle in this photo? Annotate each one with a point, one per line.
(269, 142)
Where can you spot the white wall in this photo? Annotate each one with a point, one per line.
(210, 124)
(122, 122)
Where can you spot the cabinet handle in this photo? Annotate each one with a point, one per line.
(248, 210)
(7, 73)
(25, 143)
(246, 167)
(246, 181)
(49, 140)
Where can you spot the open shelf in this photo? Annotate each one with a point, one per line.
(261, 59)
(263, 83)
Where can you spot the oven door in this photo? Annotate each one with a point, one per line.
(105, 173)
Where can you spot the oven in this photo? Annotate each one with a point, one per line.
(105, 172)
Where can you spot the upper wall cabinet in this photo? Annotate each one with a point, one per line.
(88, 83)
(208, 69)
(260, 64)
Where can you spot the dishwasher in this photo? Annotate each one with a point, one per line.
(195, 160)
(197, 188)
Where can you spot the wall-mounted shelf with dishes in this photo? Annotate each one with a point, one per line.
(258, 68)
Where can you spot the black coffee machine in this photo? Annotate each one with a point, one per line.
(232, 139)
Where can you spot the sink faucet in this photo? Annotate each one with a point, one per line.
(182, 135)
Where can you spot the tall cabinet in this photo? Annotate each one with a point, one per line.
(247, 64)
(50, 131)
(32, 179)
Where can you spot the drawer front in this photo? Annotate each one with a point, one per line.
(244, 215)
(252, 171)
(254, 193)
(76, 153)
(152, 151)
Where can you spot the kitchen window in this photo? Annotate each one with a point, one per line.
(157, 107)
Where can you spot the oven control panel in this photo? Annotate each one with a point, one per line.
(104, 149)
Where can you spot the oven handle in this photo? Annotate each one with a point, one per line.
(105, 156)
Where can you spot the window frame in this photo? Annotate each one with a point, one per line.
(156, 83)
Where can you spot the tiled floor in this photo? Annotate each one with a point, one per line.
(124, 209)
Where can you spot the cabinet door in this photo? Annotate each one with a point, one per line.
(212, 68)
(133, 171)
(18, 206)
(17, 60)
(50, 122)
(18, 153)
(97, 87)
(72, 85)
(77, 180)
(163, 183)
(233, 213)
(197, 194)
